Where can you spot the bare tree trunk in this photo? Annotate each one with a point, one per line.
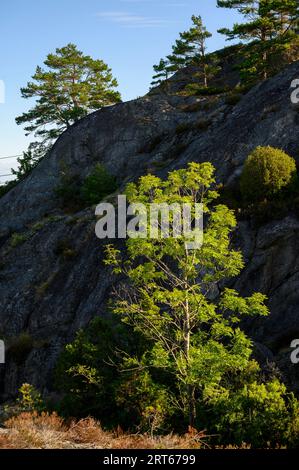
(204, 65)
(265, 60)
(192, 408)
(205, 76)
(265, 56)
(187, 333)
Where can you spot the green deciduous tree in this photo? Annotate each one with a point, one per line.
(174, 352)
(169, 295)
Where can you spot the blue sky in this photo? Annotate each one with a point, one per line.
(130, 35)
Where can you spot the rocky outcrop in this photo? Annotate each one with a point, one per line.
(52, 281)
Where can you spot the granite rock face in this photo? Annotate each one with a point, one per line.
(52, 281)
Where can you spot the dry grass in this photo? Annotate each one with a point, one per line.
(49, 431)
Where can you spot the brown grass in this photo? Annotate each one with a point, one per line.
(49, 431)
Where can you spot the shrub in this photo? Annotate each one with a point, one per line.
(76, 195)
(143, 399)
(85, 375)
(266, 173)
(260, 414)
(38, 226)
(30, 399)
(96, 381)
(68, 192)
(98, 185)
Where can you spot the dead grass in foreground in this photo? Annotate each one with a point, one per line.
(49, 431)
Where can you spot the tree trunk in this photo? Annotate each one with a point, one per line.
(204, 65)
(265, 55)
(190, 391)
(265, 60)
(192, 407)
(205, 76)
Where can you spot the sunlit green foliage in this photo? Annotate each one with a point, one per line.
(196, 340)
(267, 172)
(97, 185)
(174, 354)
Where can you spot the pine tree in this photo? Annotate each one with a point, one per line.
(30, 159)
(269, 21)
(286, 14)
(27, 162)
(71, 86)
(162, 72)
(267, 18)
(190, 49)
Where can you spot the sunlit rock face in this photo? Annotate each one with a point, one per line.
(50, 295)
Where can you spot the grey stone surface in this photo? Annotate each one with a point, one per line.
(50, 292)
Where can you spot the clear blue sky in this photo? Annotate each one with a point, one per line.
(130, 35)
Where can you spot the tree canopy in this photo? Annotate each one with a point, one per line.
(266, 173)
(168, 296)
(70, 86)
(271, 22)
(189, 49)
(174, 353)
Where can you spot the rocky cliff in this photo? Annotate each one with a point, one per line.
(52, 281)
